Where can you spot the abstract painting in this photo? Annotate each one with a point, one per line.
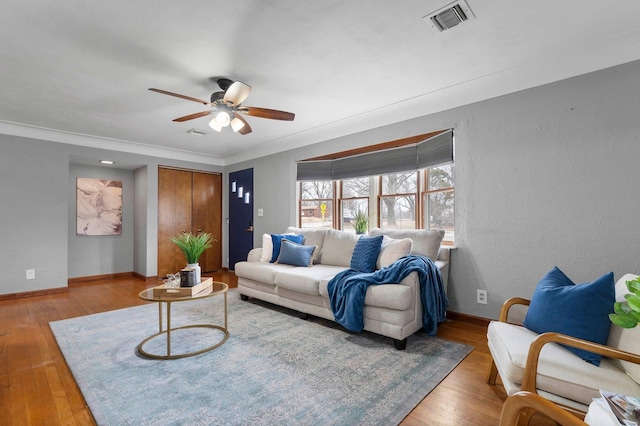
(98, 207)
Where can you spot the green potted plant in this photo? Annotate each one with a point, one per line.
(193, 245)
(627, 314)
(360, 222)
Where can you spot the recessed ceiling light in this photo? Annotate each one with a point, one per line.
(106, 162)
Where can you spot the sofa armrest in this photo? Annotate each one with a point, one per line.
(531, 368)
(254, 255)
(444, 254)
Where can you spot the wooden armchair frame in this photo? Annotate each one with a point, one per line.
(531, 367)
(522, 405)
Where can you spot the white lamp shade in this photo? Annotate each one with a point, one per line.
(236, 124)
(223, 118)
(214, 125)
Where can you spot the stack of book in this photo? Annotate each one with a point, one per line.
(625, 408)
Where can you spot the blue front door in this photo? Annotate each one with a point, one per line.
(240, 215)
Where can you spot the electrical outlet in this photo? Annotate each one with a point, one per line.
(482, 297)
(31, 274)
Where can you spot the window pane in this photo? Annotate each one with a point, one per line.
(355, 188)
(399, 183)
(440, 177)
(316, 214)
(398, 212)
(318, 189)
(349, 210)
(439, 212)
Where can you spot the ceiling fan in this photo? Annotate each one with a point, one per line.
(228, 109)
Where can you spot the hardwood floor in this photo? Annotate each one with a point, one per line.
(37, 388)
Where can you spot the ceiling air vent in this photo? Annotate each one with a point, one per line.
(197, 132)
(449, 16)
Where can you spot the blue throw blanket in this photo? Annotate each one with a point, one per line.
(348, 289)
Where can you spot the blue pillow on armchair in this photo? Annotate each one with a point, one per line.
(580, 310)
(365, 254)
(276, 239)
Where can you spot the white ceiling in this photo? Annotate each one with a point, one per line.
(77, 71)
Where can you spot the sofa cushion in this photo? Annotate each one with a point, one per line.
(296, 254)
(267, 247)
(393, 250)
(627, 339)
(338, 248)
(276, 240)
(305, 280)
(576, 310)
(560, 371)
(312, 237)
(365, 253)
(260, 271)
(426, 242)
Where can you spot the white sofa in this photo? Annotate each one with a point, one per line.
(392, 310)
(537, 363)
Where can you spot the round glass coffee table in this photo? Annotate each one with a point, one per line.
(216, 289)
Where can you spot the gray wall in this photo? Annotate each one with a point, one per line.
(107, 254)
(33, 214)
(37, 213)
(544, 177)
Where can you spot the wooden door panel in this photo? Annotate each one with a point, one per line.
(207, 216)
(174, 217)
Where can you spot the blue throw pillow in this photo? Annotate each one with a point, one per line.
(295, 254)
(365, 254)
(575, 310)
(276, 239)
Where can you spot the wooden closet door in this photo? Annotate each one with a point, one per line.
(174, 217)
(207, 216)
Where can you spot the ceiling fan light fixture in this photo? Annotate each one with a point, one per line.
(223, 118)
(236, 124)
(215, 125)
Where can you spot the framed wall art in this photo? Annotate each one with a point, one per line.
(98, 207)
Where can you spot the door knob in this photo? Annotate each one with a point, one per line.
(249, 229)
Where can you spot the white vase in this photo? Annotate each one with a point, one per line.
(198, 270)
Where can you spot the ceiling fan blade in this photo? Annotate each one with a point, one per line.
(177, 95)
(246, 129)
(237, 93)
(192, 116)
(273, 114)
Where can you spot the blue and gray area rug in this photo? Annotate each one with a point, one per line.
(274, 369)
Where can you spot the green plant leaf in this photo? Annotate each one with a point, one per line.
(634, 301)
(193, 245)
(624, 320)
(634, 285)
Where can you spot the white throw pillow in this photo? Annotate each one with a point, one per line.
(267, 247)
(338, 248)
(393, 250)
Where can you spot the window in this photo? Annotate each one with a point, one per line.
(354, 200)
(402, 184)
(422, 199)
(397, 205)
(438, 199)
(316, 204)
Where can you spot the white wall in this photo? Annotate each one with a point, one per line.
(547, 176)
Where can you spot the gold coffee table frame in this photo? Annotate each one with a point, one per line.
(216, 288)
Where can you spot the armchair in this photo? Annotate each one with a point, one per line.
(537, 363)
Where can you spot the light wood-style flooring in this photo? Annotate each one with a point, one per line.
(37, 388)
